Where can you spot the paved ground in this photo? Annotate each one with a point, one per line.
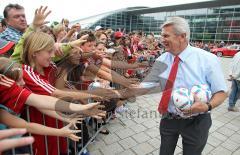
(138, 133)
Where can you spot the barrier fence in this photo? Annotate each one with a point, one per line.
(93, 126)
(74, 148)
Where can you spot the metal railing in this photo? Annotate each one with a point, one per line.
(74, 148)
(93, 130)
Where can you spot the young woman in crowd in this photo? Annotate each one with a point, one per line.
(10, 120)
(15, 97)
(59, 32)
(63, 36)
(38, 74)
(101, 37)
(65, 23)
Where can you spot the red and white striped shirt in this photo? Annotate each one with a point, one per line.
(38, 83)
(42, 85)
(12, 95)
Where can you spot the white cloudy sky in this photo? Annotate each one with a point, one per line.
(77, 9)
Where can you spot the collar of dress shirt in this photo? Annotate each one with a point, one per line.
(185, 53)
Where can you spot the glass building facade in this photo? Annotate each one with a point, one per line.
(207, 24)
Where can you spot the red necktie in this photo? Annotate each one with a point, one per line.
(166, 96)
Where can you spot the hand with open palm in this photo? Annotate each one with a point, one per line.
(67, 132)
(40, 16)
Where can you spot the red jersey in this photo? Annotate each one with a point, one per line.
(12, 95)
(42, 85)
(36, 82)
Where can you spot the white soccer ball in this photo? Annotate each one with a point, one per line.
(94, 85)
(182, 98)
(201, 91)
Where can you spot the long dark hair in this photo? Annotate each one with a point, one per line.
(74, 72)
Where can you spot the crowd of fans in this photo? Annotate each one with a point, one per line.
(57, 74)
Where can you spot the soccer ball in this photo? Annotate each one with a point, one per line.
(202, 91)
(182, 98)
(94, 85)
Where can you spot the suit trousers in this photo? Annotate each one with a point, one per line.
(194, 132)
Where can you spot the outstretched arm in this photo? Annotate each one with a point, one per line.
(16, 122)
(122, 64)
(110, 76)
(52, 103)
(62, 117)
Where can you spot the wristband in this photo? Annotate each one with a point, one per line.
(209, 106)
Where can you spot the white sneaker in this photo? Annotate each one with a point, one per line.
(233, 109)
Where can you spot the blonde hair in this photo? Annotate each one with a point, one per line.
(109, 31)
(9, 68)
(35, 42)
(57, 29)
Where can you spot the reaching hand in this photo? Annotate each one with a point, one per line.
(71, 32)
(98, 55)
(95, 110)
(132, 83)
(106, 93)
(67, 132)
(16, 142)
(77, 120)
(78, 42)
(40, 16)
(134, 80)
(58, 50)
(75, 26)
(98, 97)
(197, 107)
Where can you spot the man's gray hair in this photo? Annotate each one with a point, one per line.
(180, 26)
